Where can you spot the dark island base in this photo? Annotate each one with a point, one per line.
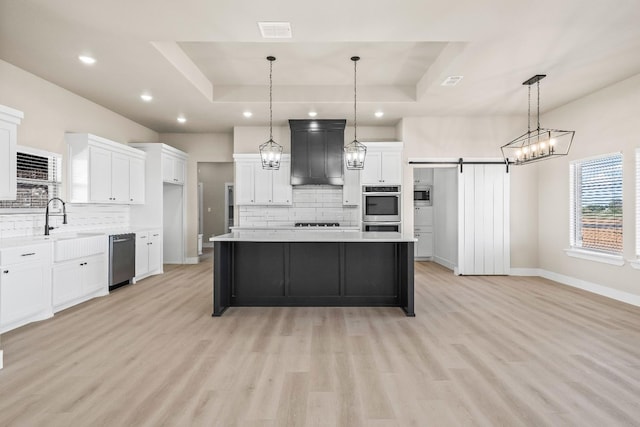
(338, 274)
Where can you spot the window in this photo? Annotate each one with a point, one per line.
(596, 204)
(38, 179)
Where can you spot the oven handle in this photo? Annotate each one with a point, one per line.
(381, 194)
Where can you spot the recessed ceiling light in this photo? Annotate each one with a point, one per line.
(451, 81)
(181, 119)
(275, 30)
(88, 60)
(379, 114)
(146, 97)
(247, 114)
(312, 114)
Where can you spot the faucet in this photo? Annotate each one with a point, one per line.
(46, 215)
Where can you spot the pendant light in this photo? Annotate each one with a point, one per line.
(270, 151)
(355, 152)
(540, 143)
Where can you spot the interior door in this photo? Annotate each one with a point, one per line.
(483, 221)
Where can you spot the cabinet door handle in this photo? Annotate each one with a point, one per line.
(29, 254)
(131, 200)
(6, 271)
(155, 235)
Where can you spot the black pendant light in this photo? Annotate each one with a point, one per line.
(355, 152)
(270, 151)
(540, 143)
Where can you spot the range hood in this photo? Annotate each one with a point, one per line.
(317, 152)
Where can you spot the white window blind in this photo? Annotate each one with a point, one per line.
(596, 204)
(38, 176)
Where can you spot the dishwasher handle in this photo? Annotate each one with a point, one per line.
(121, 240)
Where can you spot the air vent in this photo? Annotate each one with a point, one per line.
(451, 81)
(275, 30)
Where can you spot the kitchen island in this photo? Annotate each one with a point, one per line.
(312, 268)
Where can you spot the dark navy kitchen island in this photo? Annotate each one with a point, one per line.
(309, 268)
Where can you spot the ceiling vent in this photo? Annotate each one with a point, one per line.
(451, 81)
(275, 30)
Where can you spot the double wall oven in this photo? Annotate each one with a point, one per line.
(381, 208)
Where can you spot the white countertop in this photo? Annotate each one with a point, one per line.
(311, 236)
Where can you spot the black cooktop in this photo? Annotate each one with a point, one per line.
(317, 224)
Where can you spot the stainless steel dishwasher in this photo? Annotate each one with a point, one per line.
(122, 259)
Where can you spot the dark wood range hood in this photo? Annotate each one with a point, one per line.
(317, 152)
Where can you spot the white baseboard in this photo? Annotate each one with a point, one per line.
(1, 359)
(595, 288)
(192, 260)
(444, 262)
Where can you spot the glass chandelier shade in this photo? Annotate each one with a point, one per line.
(540, 143)
(355, 152)
(270, 151)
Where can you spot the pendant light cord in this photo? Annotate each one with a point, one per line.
(529, 113)
(538, 83)
(270, 100)
(355, 103)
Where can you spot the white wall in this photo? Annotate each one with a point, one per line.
(605, 122)
(477, 137)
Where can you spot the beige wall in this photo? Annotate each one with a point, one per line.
(246, 139)
(479, 137)
(50, 111)
(213, 176)
(201, 147)
(605, 122)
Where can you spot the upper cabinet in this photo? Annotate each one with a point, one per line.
(9, 121)
(317, 148)
(257, 186)
(383, 164)
(103, 171)
(351, 191)
(173, 169)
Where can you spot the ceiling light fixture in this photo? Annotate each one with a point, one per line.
(355, 152)
(88, 60)
(538, 144)
(181, 119)
(247, 114)
(146, 97)
(312, 114)
(275, 30)
(379, 114)
(451, 81)
(270, 151)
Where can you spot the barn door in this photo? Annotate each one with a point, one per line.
(483, 220)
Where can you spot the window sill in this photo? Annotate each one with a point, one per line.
(617, 260)
(635, 263)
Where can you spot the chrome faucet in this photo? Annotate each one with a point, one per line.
(46, 215)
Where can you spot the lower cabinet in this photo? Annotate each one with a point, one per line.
(79, 280)
(25, 285)
(148, 253)
(424, 245)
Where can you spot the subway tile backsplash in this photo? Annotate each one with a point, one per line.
(312, 203)
(79, 218)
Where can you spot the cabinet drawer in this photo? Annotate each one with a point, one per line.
(22, 254)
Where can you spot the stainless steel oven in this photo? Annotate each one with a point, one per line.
(381, 227)
(381, 203)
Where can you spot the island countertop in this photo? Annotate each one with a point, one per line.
(311, 236)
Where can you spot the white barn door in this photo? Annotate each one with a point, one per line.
(483, 220)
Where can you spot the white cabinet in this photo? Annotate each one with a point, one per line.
(172, 169)
(9, 121)
(351, 191)
(80, 271)
(103, 171)
(25, 285)
(383, 164)
(424, 245)
(423, 215)
(257, 186)
(148, 253)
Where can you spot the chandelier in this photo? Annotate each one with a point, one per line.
(540, 143)
(270, 151)
(355, 152)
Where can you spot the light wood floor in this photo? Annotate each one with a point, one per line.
(482, 351)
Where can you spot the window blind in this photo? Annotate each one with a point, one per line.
(596, 204)
(38, 179)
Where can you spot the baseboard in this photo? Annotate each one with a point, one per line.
(1, 359)
(444, 262)
(594, 288)
(192, 260)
